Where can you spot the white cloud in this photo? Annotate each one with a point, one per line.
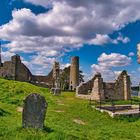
(100, 40)
(117, 73)
(123, 39)
(139, 69)
(44, 3)
(105, 39)
(62, 66)
(135, 77)
(68, 25)
(106, 72)
(118, 13)
(138, 47)
(114, 60)
(6, 55)
(131, 54)
(106, 63)
(133, 72)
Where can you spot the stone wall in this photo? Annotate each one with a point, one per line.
(109, 90)
(123, 86)
(15, 70)
(118, 90)
(22, 73)
(45, 81)
(97, 90)
(7, 70)
(85, 88)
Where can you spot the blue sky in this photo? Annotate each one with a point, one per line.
(103, 34)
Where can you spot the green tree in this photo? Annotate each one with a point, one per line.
(65, 76)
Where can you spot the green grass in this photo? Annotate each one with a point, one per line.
(60, 125)
(134, 101)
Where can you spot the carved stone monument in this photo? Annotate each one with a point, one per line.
(56, 90)
(34, 111)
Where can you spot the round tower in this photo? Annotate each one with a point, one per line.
(74, 73)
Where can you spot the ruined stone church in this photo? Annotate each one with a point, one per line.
(16, 70)
(97, 89)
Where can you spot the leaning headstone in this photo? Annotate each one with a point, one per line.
(52, 90)
(57, 91)
(34, 111)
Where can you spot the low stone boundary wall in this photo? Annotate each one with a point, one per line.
(130, 112)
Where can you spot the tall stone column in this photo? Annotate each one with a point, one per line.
(56, 74)
(74, 73)
(16, 62)
(97, 91)
(127, 87)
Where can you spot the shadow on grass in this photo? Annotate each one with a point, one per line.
(3, 112)
(128, 118)
(45, 129)
(48, 130)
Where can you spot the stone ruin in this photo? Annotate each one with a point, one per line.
(74, 73)
(56, 74)
(56, 90)
(16, 70)
(34, 111)
(97, 89)
(71, 75)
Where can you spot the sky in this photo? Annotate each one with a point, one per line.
(103, 33)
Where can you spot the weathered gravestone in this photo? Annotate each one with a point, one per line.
(34, 111)
(57, 91)
(52, 90)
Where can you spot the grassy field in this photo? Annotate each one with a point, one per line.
(67, 118)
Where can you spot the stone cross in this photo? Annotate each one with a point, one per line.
(34, 111)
